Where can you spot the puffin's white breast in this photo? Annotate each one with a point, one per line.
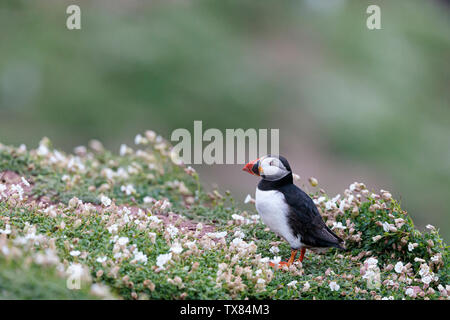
(273, 209)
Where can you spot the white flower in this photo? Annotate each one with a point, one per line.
(336, 198)
(435, 258)
(329, 205)
(409, 292)
(15, 188)
(334, 286)
(292, 284)
(217, 235)
(139, 139)
(306, 286)
(424, 270)
(42, 150)
(386, 226)
(140, 257)
(372, 261)
(237, 217)
(239, 234)
(148, 199)
(237, 241)
(101, 259)
(105, 201)
(338, 225)
(320, 200)
(154, 219)
(113, 229)
(411, 246)
(398, 267)
(75, 253)
(122, 241)
(123, 149)
(430, 227)
(128, 189)
(173, 231)
(427, 279)
(162, 259)
(276, 260)
(261, 281)
(190, 244)
(176, 248)
(25, 182)
(274, 250)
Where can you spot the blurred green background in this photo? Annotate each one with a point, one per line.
(351, 104)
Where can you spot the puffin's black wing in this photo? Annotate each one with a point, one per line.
(305, 219)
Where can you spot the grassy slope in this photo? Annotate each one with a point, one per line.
(131, 243)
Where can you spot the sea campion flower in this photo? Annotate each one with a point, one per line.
(128, 189)
(105, 201)
(239, 234)
(122, 241)
(398, 267)
(338, 225)
(173, 231)
(75, 253)
(276, 260)
(306, 286)
(412, 246)
(334, 286)
(176, 248)
(140, 257)
(162, 259)
(217, 235)
(274, 250)
(376, 238)
(409, 292)
(237, 217)
(101, 259)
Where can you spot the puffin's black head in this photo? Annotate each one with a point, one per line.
(269, 167)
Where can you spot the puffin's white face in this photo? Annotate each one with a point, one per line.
(272, 169)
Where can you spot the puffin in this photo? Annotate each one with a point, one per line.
(287, 210)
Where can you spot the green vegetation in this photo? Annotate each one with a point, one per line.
(137, 226)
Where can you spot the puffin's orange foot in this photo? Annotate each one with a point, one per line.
(280, 265)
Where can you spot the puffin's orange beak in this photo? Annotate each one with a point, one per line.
(249, 167)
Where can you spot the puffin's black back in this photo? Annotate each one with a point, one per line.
(306, 221)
